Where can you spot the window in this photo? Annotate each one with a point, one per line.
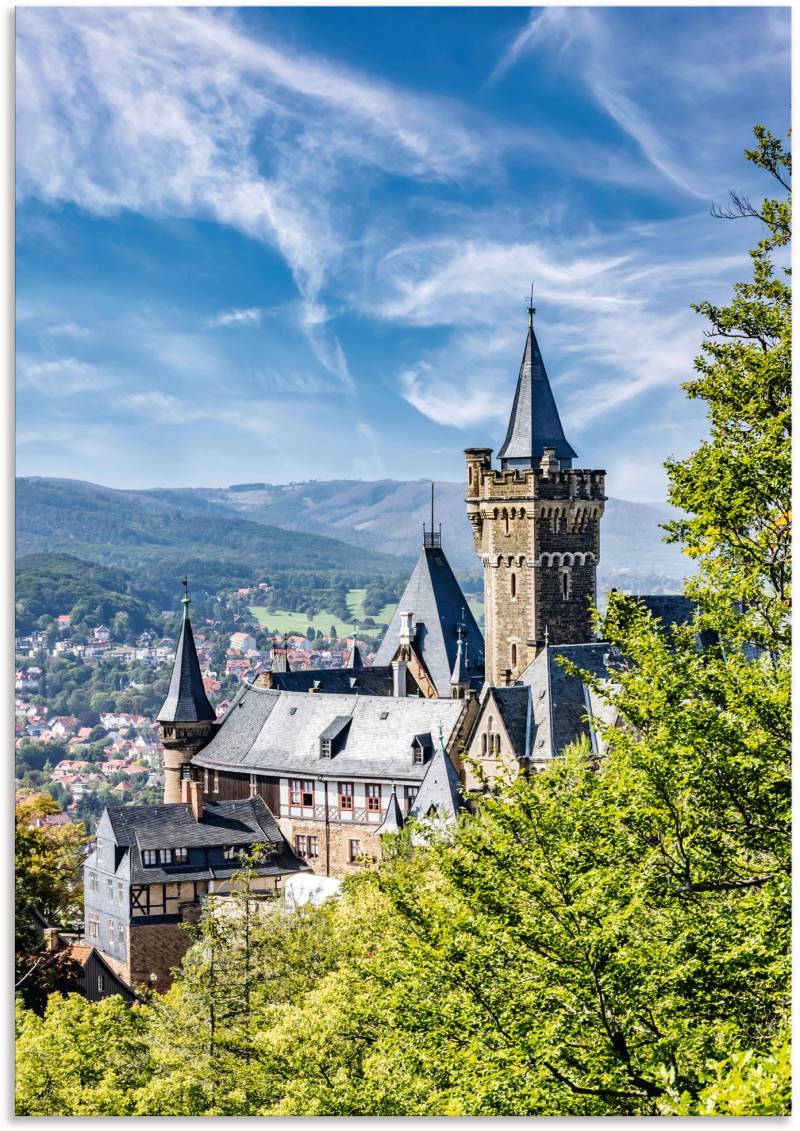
(293, 710)
(307, 847)
(229, 851)
(93, 881)
(99, 852)
(121, 933)
(418, 754)
(355, 851)
(384, 715)
(101, 983)
(373, 795)
(94, 926)
(346, 795)
(165, 855)
(565, 584)
(301, 793)
(120, 892)
(181, 855)
(513, 655)
(484, 743)
(411, 795)
(111, 931)
(149, 856)
(497, 744)
(513, 585)
(506, 526)
(110, 889)
(325, 750)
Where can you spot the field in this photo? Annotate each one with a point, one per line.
(282, 621)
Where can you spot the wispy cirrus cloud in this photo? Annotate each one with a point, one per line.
(63, 376)
(249, 317)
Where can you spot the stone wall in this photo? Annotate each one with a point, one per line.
(336, 860)
(155, 949)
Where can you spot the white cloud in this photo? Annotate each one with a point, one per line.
(249, 317)
(62, 377)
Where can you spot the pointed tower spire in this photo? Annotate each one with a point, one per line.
(356, 660)
(535, 423)
(186, 716)
(393, 821)
(459, 679)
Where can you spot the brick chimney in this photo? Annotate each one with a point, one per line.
(196, 799)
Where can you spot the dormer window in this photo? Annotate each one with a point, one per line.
(181, 855)
(420, 745)
(230, 851)
(149, 857)
(419, 755)
(165, 855)
(325, 745)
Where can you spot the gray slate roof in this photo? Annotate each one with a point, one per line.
(236, 823)
(440, 790)
(535, 423)
(186, 699)
(434, 596)
(560, 702)
(371, 681)
(278, 733)
(393, 821)
(512, 704)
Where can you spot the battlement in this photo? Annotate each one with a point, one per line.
(549, 481)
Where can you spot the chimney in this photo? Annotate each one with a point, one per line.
(185, 783)
(196, 799)
(399, 668)
(51, 939)
(406, 633)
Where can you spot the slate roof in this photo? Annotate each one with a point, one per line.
(278, 732)
(535, 423)
(186, 699)
(513, 707)
(236, 823)
(371, 681)
(435, 598)
(393, 821)
(355, 660)
(560, 702)
(440, 790)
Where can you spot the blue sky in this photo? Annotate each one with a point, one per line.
(280, 244)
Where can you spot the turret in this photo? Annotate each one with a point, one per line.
(186, 717)
(536, 528)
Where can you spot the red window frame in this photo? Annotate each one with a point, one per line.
(346, 796)
(313, 847)
(299, 789)
(372, 795)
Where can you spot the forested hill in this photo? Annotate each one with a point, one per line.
(164, 531)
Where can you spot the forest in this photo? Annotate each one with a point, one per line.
(607, 937)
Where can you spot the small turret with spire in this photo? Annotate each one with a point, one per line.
(356, 660)
(187, 718)
(459, 678)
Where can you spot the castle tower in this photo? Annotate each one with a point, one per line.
(187, 718)
(536, 527)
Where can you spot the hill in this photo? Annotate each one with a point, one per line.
(154, 533)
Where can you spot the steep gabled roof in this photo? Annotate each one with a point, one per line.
(560, 701)
(393, 821)
(435, 598)
(186, 700)
(513, 707)
(440, 793)
(535, 423)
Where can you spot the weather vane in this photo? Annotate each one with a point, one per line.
(531, 310)
(185, 599)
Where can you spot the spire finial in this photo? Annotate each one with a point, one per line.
(531, 310)
(185, 599)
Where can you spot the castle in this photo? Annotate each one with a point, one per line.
(321, 765)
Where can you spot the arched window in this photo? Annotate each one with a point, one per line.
(513, 585)
(483, 744)
(470, 476)
(513, 655)
(497, 744)
(565, 584)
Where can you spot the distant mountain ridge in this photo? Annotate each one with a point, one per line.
(347, 524)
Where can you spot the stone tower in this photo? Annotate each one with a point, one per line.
(187, 718)
(536, 527)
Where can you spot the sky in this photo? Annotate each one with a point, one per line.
(284, 244)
